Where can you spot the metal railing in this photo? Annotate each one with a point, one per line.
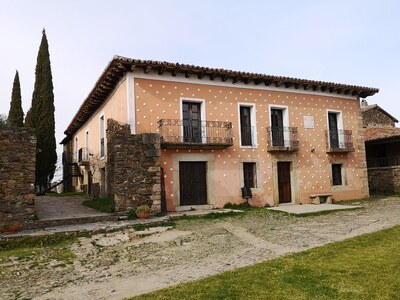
(83, 155)
(278, 137)
(247, 135)
(381, 162)
(339, 139)
(174, 131)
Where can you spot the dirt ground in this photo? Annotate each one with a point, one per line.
(122, 264)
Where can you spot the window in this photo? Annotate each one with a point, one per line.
(247, 121)
(76, 149)
(102, 144)
(337, 174)
(249, 174)
(191, 118)
(335, 129)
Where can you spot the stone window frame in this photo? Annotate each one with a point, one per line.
(257, 175)
(344, 184)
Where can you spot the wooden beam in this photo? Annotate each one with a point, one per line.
(296, 85)
(306, 86)
(224, 78)
(314, 87)
(187, 74)
(161, 70)
(258, 81)
(288, 84)
(354, 92)
(212, 76)
(147, 69)
(339, 91)
(268, 82)
(235, 79)
(331, 89)
(174, 72)
(133, 68)
(324, 88)
(277, 83)
(200, 75)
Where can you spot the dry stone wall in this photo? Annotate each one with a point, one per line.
(17, 175)
(375, 117)
(386, 180)
(133, 167)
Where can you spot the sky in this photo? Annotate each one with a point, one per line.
(351, 42)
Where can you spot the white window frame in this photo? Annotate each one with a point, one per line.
(202, 115)
(285, 116)
(253, 123)
(339, 119)
(102, 133)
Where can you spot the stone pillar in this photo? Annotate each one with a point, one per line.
(17, 175)
(133, 167)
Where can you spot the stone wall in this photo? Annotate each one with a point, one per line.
(386, 180)
(17, 175)
(133, 167)
(376, 117)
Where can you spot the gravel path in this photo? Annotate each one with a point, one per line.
(121, 264)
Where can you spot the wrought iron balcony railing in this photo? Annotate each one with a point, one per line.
(282, 138)
(83, 155)
(195, 134)
(339, 140)
(383, 162)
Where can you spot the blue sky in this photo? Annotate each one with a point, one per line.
(352, 42)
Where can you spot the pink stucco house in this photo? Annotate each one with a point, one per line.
(288, 140)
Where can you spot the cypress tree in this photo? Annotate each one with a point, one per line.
(16, 114)
(41, 117)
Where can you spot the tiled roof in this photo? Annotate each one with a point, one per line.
(381, 133)
(119, 66)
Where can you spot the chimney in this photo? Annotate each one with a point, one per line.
(364, 103)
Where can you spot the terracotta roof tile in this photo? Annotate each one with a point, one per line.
(381, 133)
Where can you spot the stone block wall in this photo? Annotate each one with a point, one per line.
(17, 175)
(386, 180)
(133, 167)
(376, 117)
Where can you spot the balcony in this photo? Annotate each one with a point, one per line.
(282, 139)
(383, 162)
(195, 134)
(339, 141)
(83, 157)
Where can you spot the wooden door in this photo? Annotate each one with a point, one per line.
(191, 122)
(284, 184)
(333, 130)
(277, 128)
(193, 183)
(245, 126)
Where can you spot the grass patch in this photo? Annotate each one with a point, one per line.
(54, 247)
(69, 194)
(365, 267)
(106, 204)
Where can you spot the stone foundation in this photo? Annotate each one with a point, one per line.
(17, 175)
(133, 167)
(386, 180)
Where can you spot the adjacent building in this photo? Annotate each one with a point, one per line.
(382, 143)
(287, 140)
